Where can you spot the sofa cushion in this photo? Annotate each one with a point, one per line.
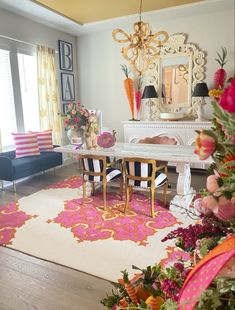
(29, 165)
(44, 140)
(26, 144)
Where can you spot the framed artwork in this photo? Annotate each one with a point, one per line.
(65, 108)
(65, 55)
(67, 87)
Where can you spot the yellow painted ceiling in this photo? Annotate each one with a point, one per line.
(88, 11)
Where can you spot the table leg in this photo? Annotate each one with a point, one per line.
(185, 192)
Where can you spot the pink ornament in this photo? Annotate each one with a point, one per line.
(225, 210)
(210, 202)
(212, 183)
(106, 139)
(199, 207)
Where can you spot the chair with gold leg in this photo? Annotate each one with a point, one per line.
(144, 173)
(95, 170)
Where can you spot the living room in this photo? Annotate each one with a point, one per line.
(94, 78)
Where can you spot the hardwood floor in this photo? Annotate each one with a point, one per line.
(31, 283)
(27, 282)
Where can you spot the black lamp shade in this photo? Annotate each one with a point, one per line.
(200, 90)
(149, 92)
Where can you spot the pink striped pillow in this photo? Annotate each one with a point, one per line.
(45, 141)
(26, 144)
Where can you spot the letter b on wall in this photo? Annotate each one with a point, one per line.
(66, 56)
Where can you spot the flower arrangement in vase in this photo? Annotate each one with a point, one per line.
(76, 116)
(80, 125)
(75, 121)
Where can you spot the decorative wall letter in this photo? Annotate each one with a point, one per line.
(67, 86)
(66, 56)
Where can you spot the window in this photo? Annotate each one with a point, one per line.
(19, 110)
(7, 107)
(28, 87)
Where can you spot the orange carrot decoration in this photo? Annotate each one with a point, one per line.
(129, 88)
(123, 303)
(129, 288)
(155, 302)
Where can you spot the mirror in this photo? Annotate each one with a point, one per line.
(179, 67)
(174, 73)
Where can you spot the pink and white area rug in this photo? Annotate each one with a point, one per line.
(58, 225)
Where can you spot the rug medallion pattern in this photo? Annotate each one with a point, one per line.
(88, 221)
(173, 254)
(11, 217)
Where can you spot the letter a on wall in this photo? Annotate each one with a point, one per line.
(67, 85)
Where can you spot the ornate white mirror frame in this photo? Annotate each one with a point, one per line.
(177, 45)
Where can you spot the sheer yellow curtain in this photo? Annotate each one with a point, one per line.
(49, 104)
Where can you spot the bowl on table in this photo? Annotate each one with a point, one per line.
(172, 116)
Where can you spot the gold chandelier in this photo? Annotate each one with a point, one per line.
(143, 47)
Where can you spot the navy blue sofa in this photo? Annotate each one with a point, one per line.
(12, 168)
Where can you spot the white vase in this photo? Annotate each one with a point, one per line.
(74, 133)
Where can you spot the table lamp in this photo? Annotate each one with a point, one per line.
(200, 90)
(150, 93)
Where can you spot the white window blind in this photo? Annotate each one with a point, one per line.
(28, 86)
(7, 105)
(19, 111)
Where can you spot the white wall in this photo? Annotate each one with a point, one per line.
(99, 59)
(21, 28)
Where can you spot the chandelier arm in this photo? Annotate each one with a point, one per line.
(120, 31)
(154, 54)
(160, 41)
(134, 55)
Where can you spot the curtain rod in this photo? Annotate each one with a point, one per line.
(20, 41)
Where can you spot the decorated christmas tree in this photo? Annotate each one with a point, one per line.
(206, 281)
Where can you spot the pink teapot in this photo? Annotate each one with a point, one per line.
(106, 139)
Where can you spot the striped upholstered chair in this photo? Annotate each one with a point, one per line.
(97, 169)
(144, 173)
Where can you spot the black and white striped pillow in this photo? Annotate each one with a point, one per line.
(144, 170)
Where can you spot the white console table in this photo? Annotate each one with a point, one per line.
(183, 131)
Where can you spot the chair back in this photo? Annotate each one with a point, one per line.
(140, 171)
(94, 167)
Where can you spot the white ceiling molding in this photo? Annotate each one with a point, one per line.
(40, 14)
